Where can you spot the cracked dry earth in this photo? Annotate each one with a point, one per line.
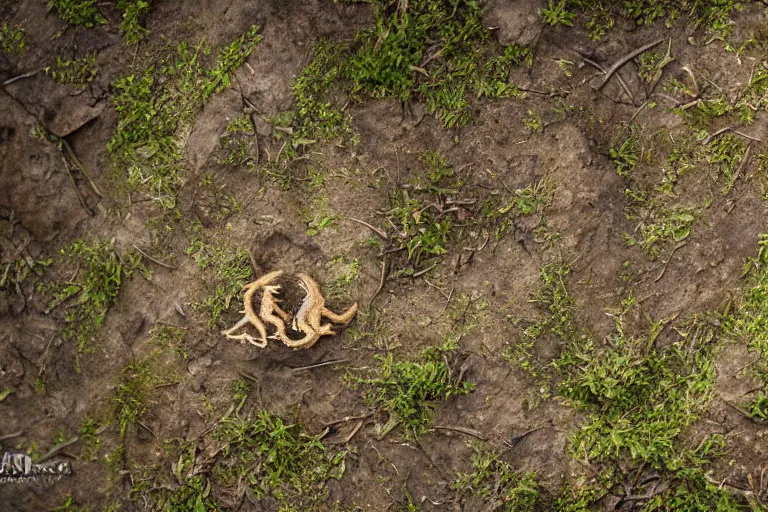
(478, 292)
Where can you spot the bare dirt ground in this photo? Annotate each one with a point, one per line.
(480, 292)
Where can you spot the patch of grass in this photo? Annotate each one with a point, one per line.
(408, 391)
(95, 290)
(17, 272)
(556, 13)
(134, 15)
(78, 13)
(213, 201)
(156, 106)
(13, 39)
(658, 222)
(259, 450)
(437, 51)
(130, 399)
(76, 71)
(497, 484)
(749, 323)
(640, 398)
(320, 218)
(711, 15)
(169, 337)
(533, 122)
(237, 141)
(224, 271)
(90, 440)
(346, 271)
(625, 154)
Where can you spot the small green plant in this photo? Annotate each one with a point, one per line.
(154, 106)
(134, 14)
(90, 440)
(75, 71)
(624, 155)
(641, 397)
(408, 390)
(272, 458)
(78, 12)
(556, 13)
(237, 141)
(497, 484)
(102, 274)
(13, 40)
(224, 273)
(130, 397)
(533, 122)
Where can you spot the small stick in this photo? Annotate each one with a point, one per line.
(747, 136)
(77, 192)
(666, 263)
(56, 449)
(150, 258)
(462, 430)
(142, 425)
(354, 432)
(424, 271)
(619, 63)
(347, 419)
(743, 162)
(381, 234)
(381, 282)
(621, 80)
(320, 365)
(11, 436)
(25, 75)
(719, 132)
(80, 166)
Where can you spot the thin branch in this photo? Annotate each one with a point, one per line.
(380, 233)
(150, 258)
(462, 430)
(320, 365)
(619, 63)
(56, 449)
(19, 77)
(382, 280)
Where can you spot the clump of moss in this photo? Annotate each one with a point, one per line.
(158, 103)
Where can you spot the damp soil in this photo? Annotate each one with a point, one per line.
(41, 212)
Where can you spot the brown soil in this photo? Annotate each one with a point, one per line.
(40, 213)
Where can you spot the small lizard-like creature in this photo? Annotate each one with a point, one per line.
(309, 317)
(271, 305)
(250, 314)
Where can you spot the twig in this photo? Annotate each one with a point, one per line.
(320, 365)
(382, 280)
(142, 425)
(621, 80)
(424, 271)
(150, 258)
(77, 191)
(381, 234)
(80, 166)
(57, 448)
(666, 263)
(354, 432)
(619, 63)
(463, 430)
(743, 162)
(25, 75)
(747, 136)
(346, 419)
(11, 436)
(719, 132)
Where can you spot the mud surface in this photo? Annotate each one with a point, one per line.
(481, 288)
